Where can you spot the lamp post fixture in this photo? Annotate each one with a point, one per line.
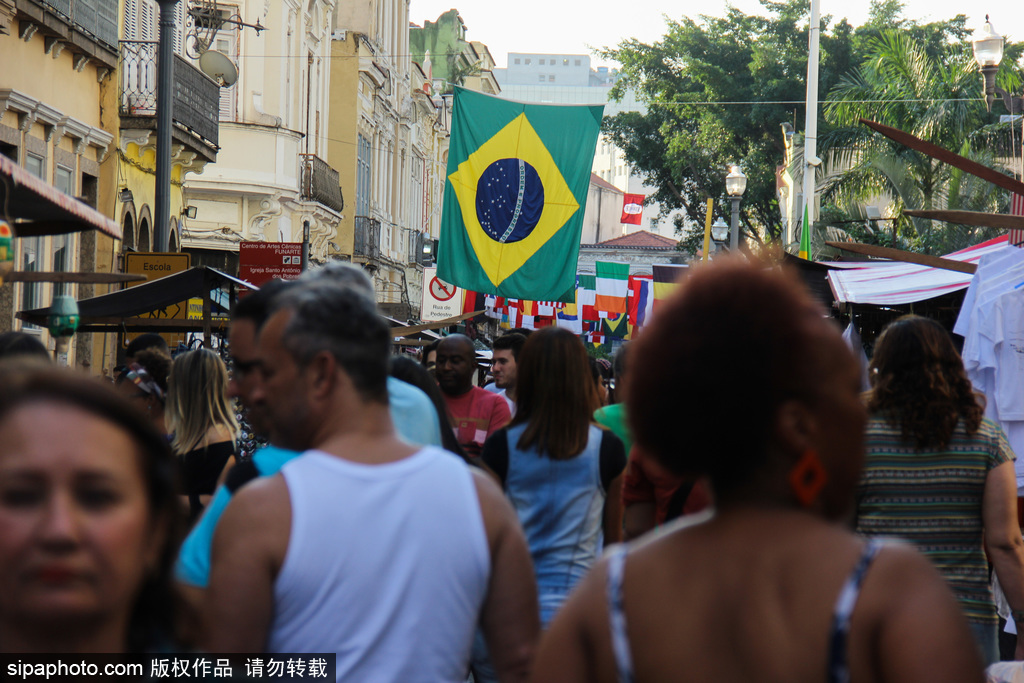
(62, 323)
(719, 233)
(735, 185)
(988, 52)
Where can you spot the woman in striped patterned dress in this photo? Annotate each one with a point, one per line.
(939, 474)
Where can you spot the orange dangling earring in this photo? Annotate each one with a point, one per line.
(807, 478)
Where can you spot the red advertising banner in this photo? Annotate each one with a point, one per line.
(260, 262)
(632, 208)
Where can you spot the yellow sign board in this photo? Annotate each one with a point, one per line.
(195, 309)
(156, 265)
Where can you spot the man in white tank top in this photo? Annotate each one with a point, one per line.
(385, 554)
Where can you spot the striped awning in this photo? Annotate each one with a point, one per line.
(33, 207)
(892, 282)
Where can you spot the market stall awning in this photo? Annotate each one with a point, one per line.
(36, 208)
(893, 283)
(111, 312)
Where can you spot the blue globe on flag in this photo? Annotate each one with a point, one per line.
(509, 200)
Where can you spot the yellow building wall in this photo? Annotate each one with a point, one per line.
(79, 95)
(97, 351)
(342, 144)
(27, 68)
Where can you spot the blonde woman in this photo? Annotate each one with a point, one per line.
(203, 425)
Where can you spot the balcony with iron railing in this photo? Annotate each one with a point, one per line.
(320, 183)
(366, 240)
(195, 108)
(87, 28)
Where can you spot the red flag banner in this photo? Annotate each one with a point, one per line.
(472, 301)
(1016, 237)
(632, 208)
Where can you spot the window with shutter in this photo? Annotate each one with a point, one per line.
(227, 42)
(180, 8)
(131, 19)
(149, 20)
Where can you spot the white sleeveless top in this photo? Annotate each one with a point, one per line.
(387, 566)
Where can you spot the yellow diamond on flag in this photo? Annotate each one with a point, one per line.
(499, 188)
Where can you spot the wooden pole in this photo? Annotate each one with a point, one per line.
(986, 220)
(206, 315)
(905, 256)
(955, 160)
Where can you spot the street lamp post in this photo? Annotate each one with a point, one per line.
(988, 52)
(735, 185)
(164, 104)
(305, 245)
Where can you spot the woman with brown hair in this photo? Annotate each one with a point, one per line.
(203, 424)
(89, 519)
(941, 475)
(740, 377)
(560, 469)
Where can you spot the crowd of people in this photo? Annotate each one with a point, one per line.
(572, 520)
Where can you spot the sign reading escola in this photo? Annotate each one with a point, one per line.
(518, 176)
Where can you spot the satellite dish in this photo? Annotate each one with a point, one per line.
(219, 67)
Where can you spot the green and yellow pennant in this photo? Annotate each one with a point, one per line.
(518, 176)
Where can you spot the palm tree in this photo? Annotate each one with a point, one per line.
(935, 98)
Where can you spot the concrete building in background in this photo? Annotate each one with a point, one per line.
(604, 209)
(569, 79)
(641, 249)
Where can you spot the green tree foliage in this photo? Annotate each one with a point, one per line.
(929, 89)
(716, 92)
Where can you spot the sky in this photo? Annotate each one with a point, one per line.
(560, 27)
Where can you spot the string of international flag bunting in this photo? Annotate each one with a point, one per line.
(609, 304)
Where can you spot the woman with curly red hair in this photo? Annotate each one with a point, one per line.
(740, 377)
(941, 475)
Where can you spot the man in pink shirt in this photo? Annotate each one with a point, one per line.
(475, 413)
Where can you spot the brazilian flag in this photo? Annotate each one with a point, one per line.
(615, 325)
(518, 176)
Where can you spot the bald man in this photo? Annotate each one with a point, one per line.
(476, 413)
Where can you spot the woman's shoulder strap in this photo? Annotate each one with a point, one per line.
(616, 613)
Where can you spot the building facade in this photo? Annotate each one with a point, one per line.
(603, 213)
(640, 249)
(60, 59)
(271, 180)
(390, 121)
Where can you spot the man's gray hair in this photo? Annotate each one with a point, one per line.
(342, 273)
(343, 320)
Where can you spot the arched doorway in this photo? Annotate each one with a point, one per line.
(172, 241)
(128, 232)
(144, 241)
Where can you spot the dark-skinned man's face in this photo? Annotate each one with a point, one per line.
(456, 363)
